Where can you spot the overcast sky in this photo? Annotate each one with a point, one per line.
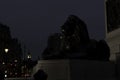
(32, 21)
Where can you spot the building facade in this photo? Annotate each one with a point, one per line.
(10, 53)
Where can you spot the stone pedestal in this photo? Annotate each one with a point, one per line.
(77, 69)
(113, 40)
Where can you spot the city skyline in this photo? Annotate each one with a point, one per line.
(33, 21)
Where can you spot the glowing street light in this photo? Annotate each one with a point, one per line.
(6, 50)
(15, 60)
(5, 75)
(3, 63)
(29, 56)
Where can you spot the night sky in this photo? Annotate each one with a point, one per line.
(32, 21)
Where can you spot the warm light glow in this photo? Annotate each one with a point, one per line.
(67, 47)
(5, 75)
(6, 50)
(15, 73)
(61, 37)
(5, 71)
(63, 30)
(15, 61)
(3, 63)
(29, 56)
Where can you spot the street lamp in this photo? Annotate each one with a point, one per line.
(3, 63)
(29, 56)
(6, 50)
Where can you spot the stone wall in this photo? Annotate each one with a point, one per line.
(77, 69)
(113, 40)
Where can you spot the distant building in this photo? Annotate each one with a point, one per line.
(10, 53)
